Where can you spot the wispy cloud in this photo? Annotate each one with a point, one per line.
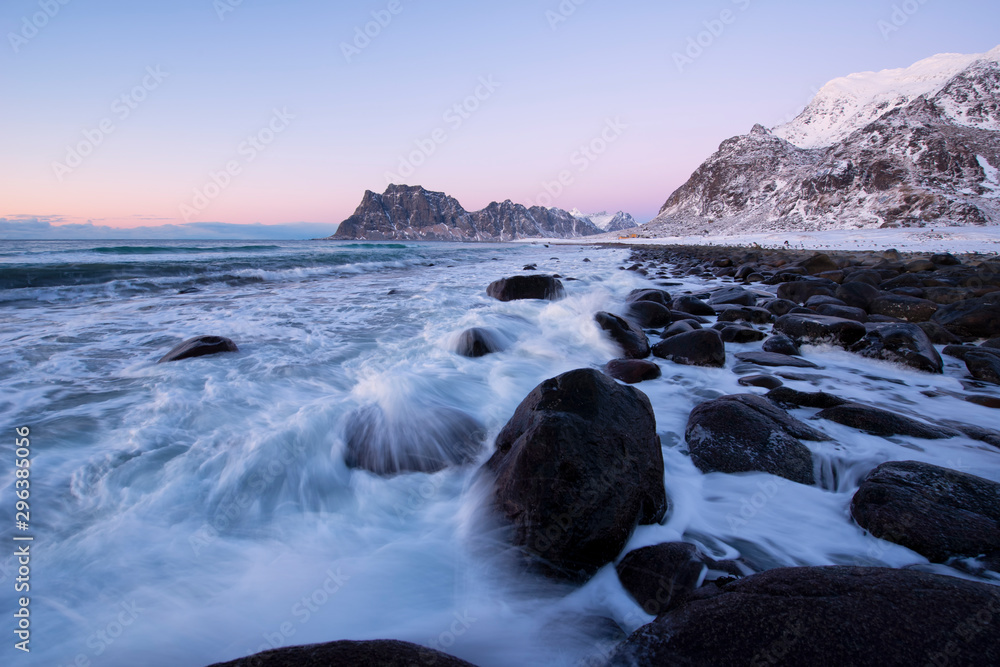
(47, 228)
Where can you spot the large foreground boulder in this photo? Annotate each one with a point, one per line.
(971, 318)
(576, 468)
(379, 653)
(905, 344)
(516, 288)
(747, 433)
(630, 337)
(199, 346)
(863, 617)
(937, 512)
(820, 329)
(428, 441)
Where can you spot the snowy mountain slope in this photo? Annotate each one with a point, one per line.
(608, 222)
(854, 160)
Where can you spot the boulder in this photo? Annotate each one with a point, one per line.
(820, 329)
(750, 314)
(631, 338)
(428, 441)
(882, 422)
(779, 307)
(576, 468)
(765, 381)
(199, 346)
(734, 296)
(680, 327)
(660, 577)
(905, 344)
(984, 366)
(648, 314)
(655, 295)
(845, 312)
(746, 433)
(693, 305)
(773, 359)
(819, 263)
(945, 259)
(937, 512)
(938, 334)
(972, 318)
(477, 342)
(865, 617)
(695, 348)
(788, 397)
(739, 333)
(800, 291)
(517, 288)
(380, 653)
(908, 308)
(632, 371)
(781, 344)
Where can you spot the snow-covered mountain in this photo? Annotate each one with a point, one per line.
(905, 147)
(608, 222)
(411, 213)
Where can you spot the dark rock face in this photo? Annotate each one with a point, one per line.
(791, 397)
(655, 295)
(779, 307)
(477, 342)
(526, 287)
(819, 263)
(200, 346)
(630, 337)
(774, 359)
(736, 296)
(683, 326)
(845, 312)
(744, 314)
(693, 305)
(379, 653)
(746, 433)
(648, 314)
(781, 344)
(858, 294)
(660, 577)
(737, 333)
(801, 291)
(973, 318)
(881, 422)
(405, 213)
(984, 366)
(632, 371)
(695, 348)
(937, 512)
(433, 441)
(820, 329)
(825, 616)
(938, 334)
(765, 381)
(576, 468)
(901, 343)
(908, 308)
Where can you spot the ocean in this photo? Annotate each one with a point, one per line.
(198, 511)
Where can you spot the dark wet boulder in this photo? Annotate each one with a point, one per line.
(945, 259)
(648, 294)
(704, 347)
(378, 653)
(781, 344)
(517, 288)
(908, 308)
(937, 512)
(882, 422)
(426, 441)
(819, 263)
(938, 334)
(779, 307)
(984, 366)
(972, 318)
(820, 300)
(774, 359)
(993, 344)
(747, 433)
(733, 296)
(680, 327)
(765, 381)
(693, 305)
(788, 397)
(858, 294)
(477, 342)
(820, 329)
(740, 333)
(801, 290)
(864, 617)
(632, 371)
(963, 351)
(631, 338)
(648, 314)
(576, 468)
(750, 314)
(199, 346)
(987, 435)
(845, 312)
(661, 577)
(905, 344)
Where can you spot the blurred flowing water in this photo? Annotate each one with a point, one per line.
(198, 511)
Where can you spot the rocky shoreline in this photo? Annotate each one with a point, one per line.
(579, 465)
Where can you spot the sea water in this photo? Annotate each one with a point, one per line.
(193, 512)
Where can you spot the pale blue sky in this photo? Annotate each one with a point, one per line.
(555, 87)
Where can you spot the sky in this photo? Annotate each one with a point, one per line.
(177, 115)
